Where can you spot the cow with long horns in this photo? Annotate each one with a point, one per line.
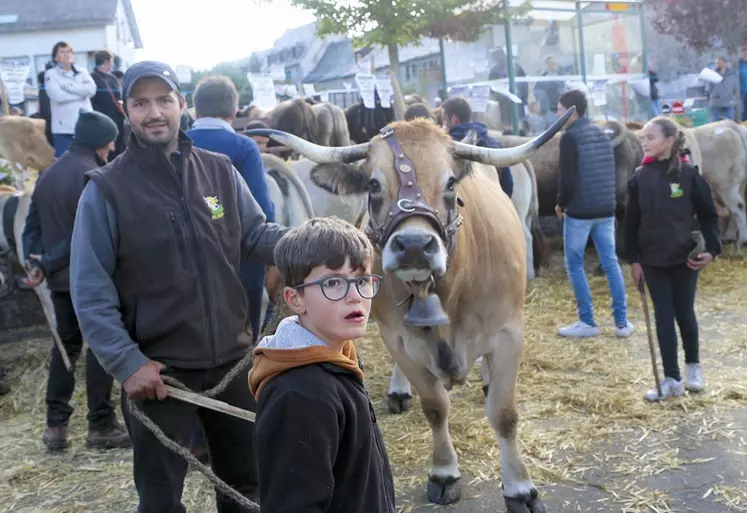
(451, 247)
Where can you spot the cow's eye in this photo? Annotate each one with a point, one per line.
(450, 184)
(374, 186)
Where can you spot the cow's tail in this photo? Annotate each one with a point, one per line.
(540, 244)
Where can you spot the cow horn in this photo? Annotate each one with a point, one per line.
(313, 152)
(503, 157)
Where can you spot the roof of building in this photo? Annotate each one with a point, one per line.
(338, 62)
(35, 15)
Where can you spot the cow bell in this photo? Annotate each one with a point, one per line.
(426, 312)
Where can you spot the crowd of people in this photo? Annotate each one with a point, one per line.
(155, 244)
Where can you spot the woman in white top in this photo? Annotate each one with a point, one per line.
(69, 90)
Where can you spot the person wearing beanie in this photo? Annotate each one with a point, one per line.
(47, 244)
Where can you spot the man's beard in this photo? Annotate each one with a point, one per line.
(170, 137)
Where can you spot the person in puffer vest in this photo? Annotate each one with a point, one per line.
(586, 205)
(665, 196)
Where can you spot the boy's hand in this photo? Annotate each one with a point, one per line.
(636, 272)
(146, 382)
(559, 211)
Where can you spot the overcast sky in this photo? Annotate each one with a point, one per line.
(205, 32)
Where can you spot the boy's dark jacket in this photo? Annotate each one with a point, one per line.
(459, 132)
(319, 448)
(661, 214)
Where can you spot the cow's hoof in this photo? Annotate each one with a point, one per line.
(526, 503)
(399, 403)
(485, 389)
(444, 490)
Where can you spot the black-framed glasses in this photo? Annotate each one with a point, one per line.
(336, 288)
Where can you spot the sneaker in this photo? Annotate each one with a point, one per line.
(625, 331)
(694, 377)
(112, 436)
(669, 388)
(55, 438)
(579, 329)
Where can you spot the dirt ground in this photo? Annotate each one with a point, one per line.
(603, 450)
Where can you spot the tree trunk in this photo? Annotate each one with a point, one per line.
(399, 99)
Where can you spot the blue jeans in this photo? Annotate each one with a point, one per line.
(575, 236)
(744, 107)
(719, 113)
(655, 107)
(61, 142)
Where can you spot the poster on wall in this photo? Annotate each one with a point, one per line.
(263, 90)
(14, 76)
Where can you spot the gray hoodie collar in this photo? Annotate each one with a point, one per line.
(291, 335)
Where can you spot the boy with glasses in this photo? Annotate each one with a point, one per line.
(318, 445)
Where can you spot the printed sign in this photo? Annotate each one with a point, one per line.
(366, 88)
(384, 87)
(14, 78)
(263, 90)
(478, 98)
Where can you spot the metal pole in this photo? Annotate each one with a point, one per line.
(442, 54)
(510, 64)
(580, 22)
(644, 54)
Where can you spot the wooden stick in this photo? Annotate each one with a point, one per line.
(48, 316)
(206, 402)
(644, 301)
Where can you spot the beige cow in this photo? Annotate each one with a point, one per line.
(478, 268)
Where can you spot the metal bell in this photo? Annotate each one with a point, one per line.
(426, 312)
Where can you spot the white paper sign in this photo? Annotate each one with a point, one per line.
(366, 88)
(184, 74)
(384, 87)
(278, 72)
(263, 90)
(14, 77)
(324, 96)
(309, 90)
(478, 98)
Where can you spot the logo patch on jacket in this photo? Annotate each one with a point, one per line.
(676, 190)
(216, 209)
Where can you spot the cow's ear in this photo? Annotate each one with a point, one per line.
(340, 178)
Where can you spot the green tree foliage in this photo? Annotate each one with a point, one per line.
(701, 23)
(232, 71)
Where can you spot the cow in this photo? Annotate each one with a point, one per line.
(450, 244)
(331, 125)
(24, 143)
(364, 123)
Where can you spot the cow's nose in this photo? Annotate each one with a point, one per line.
(406, 245)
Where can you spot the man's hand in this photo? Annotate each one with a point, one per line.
(559, 211)
(703, 260)
(34, 273)
(146, 382)
(636, 272)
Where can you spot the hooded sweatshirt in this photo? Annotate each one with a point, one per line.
(319, 448)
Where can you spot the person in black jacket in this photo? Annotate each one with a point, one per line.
(108, 97)
(665, 196)
(47, 243)
(457, 114)
(319, 448)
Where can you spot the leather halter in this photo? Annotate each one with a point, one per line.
(410, 201)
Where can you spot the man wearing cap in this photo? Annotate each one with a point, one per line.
(46, 242)
(158, 241)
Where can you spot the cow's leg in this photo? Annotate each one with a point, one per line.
(734, 202)
(444, 477)
(400, 392)
(503, 363)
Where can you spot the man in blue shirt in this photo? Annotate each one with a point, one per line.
(216, 103)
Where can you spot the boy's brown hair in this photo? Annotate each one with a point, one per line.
(322, 241)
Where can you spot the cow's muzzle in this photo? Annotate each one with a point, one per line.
(413, 255)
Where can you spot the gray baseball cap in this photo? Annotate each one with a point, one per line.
(150, 69)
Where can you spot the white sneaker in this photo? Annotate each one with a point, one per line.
(625, 331)
(579, 329)
(669, 388)
(694, 377)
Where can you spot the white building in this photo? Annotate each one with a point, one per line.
(30, 28)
